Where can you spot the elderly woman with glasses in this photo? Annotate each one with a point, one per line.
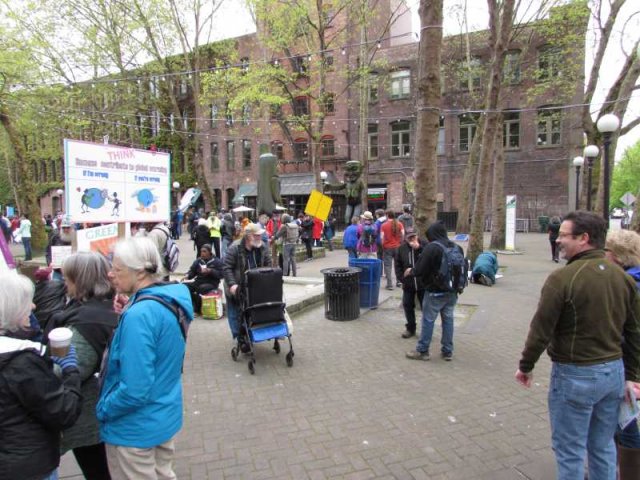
(36, 404)
(140, 406)
(90, 316)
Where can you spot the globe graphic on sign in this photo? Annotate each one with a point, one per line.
(95, 197)
(145, 197)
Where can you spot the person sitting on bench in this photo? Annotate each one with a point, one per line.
(204, 276)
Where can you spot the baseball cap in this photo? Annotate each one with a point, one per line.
(410, 232)
(66, 221)
(253, 229)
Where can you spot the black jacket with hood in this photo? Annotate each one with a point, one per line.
(429, 262)
(35, 406)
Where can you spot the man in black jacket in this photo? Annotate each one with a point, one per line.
(436, 300)
(405, 265)
(242, 255)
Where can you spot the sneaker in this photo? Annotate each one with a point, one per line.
(447, 357)
(398, 284)
(389, 287)
(415, 355)
(484, 280)
(408, 334)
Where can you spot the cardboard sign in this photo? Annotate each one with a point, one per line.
(318, 205)
(98, 239)
(59, 255)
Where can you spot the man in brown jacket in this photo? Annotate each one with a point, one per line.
(585, 310)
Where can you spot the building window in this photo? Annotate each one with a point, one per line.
(548, 127)
(275, 112)
(400, 139)
(277, 149)
(330, 104)
(301, 149)
(470, 74)
(246, 153)
(468, 126)
(372, 140)
(215, 157)
(549, 59)
(511, 72)
(511, 130)
(214, 115)
(43, 171)
(400, 84)
(183, 86)
(328, 144)
(372, 91)
(228, 115)
(301, 106)
(441, 149)
(231, 155)
(185, 120)
(246, 114)
(172, 123)
(244, 64)
(328, 61)
(53, 170)
(301, 65)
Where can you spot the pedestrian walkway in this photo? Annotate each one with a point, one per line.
(353, 407)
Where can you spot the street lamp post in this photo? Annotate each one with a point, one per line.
(578, 162)
(591, 152)
(607, 124)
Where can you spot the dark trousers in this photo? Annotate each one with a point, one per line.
(92, 460)
(197, 289)
(307, 244)
(26, 243)
(554, 250)
(409, 305)
(215, 243)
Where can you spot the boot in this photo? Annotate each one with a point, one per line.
(629, 463)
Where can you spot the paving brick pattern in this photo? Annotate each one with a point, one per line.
(352, 407)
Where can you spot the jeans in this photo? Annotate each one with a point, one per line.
(409, 305)
(52, 476)
(352, 252)
(554, 250)
(388, 257)
(583, 411)
(629, 437)
(289, 258)
(307, 245)
(432, 305)
(225, 244)
(26, 242)
(233, 311)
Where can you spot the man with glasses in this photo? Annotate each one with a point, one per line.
(251, 251)
(584, 311)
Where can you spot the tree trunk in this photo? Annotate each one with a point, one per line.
(500, 29)
(27, 195)
(498, 201)
(428, 113)
(363, 111)
(469, 181)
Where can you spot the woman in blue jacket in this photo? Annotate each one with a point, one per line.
(140, 406)
(350, 238)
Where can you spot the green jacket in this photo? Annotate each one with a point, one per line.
(585, 311)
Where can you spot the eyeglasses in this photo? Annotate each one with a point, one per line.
(573, 235)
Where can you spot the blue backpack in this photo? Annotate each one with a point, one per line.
(452, 276)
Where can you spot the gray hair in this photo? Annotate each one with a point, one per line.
(89, 272)
(140, 254)
(16, 298)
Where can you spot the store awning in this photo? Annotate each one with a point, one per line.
(245, 190)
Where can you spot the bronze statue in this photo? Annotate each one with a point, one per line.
(268, 184)
(353, 187)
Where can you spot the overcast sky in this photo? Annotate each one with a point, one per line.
(477, 13)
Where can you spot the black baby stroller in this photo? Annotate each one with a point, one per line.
(262, 314)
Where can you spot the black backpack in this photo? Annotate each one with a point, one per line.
(452, 276)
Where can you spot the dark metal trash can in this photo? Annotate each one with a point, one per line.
(341, 293)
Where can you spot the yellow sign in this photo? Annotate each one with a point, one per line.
(319, 205)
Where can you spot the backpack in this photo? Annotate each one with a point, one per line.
(171, 253)
(452, 276)
(368, 235)
(292, 234)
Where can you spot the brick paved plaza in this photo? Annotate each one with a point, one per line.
(353, 407)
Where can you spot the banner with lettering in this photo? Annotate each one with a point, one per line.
(109, 183)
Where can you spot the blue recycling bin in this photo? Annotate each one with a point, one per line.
(371, 271)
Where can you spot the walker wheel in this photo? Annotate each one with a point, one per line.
(234, 354)
(290, 359)
(252, 368)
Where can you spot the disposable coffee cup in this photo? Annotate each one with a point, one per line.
(59, 341)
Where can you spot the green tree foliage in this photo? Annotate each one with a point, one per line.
(626, 176)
